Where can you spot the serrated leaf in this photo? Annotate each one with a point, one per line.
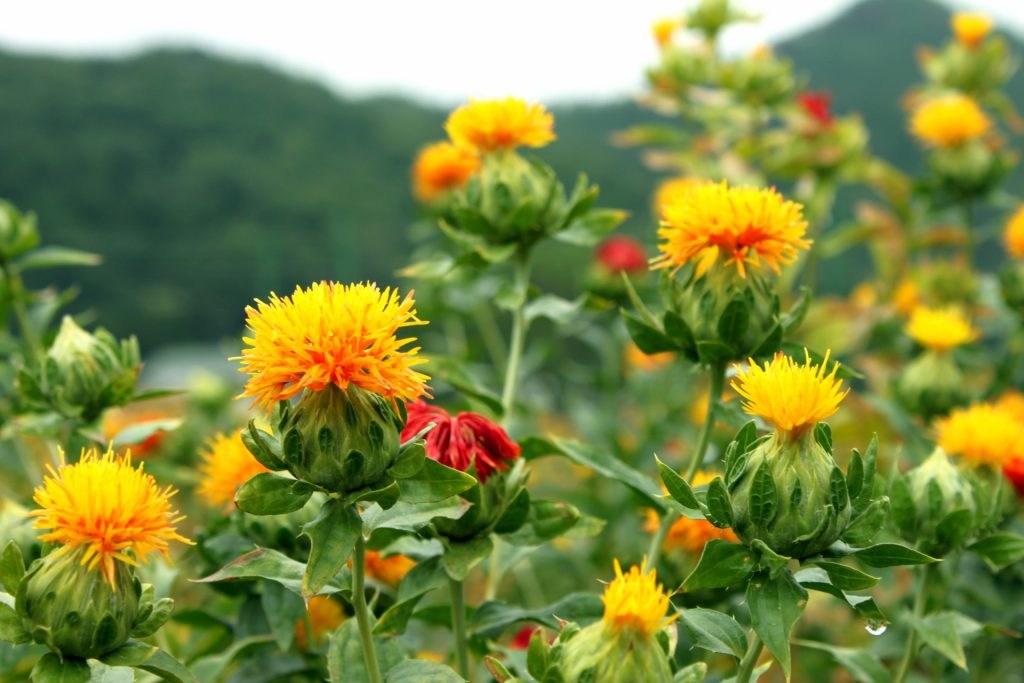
(714, 631)
(868, 523)
(332, 536)
(775, 606)
(272, 494)
(939, 631)
(722, 564)
(719, 506)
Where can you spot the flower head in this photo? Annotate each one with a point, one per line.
(906, 296)
(940, 329)
(971, 28)
(490, 125)
(816, 105)
(462, 441)
(663, 30)
(103, 504)
(1013, 469)
(391, 569)
(792, 397)
(690, 535)
(325, 615)
(983, 435)
(636, 601)
(1012, 401)
(673, 189)
(441, 167)
(748, 227)
(227, 464)
(332, 334)
(635, 359)
(949, 120)
(1013, 236)
(622, 254)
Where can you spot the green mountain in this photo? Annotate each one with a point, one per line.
(206, 181)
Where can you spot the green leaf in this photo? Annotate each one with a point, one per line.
(554, 308)
(891, 555)
(434, 483)
(719, 507)
(139, 432)
(421, 579)
(546, 519)
(722, 564)
(710, 352)
(734, 319)
(904, 512)
(861, 664)
(868, 523)
(676, 486)
(345, 659)
(714, 631)
(775, 605)
(939, 632)
(162, 610)
(611, 467)
(406, 516)
(460, 557)
(955, 528)
(679, 332)
(491, 618)
(648, 338)
(50, 669)
(823, 435)
(455, 374)
(332, 537)
(1000, 550)
(282, 609)
(694, 673)
(264, 447)
(272, 494)
(847, 578)
(264, 563)
(56, 257)
(591, 228)
(11, 628)
(764, 502)
(12, 567)
(152, 659)
(422, 671)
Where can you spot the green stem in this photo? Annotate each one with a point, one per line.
(920, 602)
(717, 372)
(362, 612)
(16, 293)
(968, 209)
(459, 628)
(516, 343)
(749, 659)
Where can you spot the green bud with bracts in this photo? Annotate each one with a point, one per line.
(931, 385)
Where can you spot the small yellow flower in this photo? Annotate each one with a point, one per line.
(690, 535)
(747, 227)
(906, 296)
(1013, 236)
(390, 570)
(441, 167)
(103, 504)
(983, 435)
(671, 190)
(332, 334)
(325, 615)
(949, 120)
(971, 28)
(636, 601)
(940, 329)
(227, 464)
(792, 397)
(1012, 402)
(490, 125)
(663, 30)
(646, 362)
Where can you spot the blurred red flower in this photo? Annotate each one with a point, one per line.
(816, 105)
(621, 253)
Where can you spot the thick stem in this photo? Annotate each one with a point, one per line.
(363, 612)
(749, 661)
(920, 602)
(459, 629)
(516, 342)
(717, 372)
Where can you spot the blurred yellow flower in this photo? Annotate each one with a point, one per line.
(1012, 401)
(325, 615)
(490, 125)
(332, 334)
(1013, 236)
(636, 601)
(441, 167)
(983, 435)
(638, 360)
(103, 504)
(227, 464)
(390, 570)
(792, 397)
(949, 120)
(971, 28)
(940, 329)
(746, 226)
(690, 535)
(671, 190)
(663, 29)
(906, 296)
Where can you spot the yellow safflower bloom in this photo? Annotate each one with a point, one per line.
(491, 125)
(636, 601)
(792, 397)
(663, 30)
(949, 120)
(906, 296)
(646, 362)
(332, 334)
(970, 28)
(983, 435)
(227, 464)
(325, 615)
(940, 329)
(391, 569)
(1012, 402)
(1013, 236)
(746, 226)
(442, 167)
(116, 512)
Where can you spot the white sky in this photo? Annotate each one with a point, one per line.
(437, 50)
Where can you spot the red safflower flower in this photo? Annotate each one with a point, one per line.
(1014, 471)
(621, 253)
(521, 640)
(463, 440)
(816, 105)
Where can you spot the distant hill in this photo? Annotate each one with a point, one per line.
(206, 181)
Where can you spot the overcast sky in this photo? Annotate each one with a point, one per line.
(436, 50)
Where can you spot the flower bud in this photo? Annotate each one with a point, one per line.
(73, 609)
(969, 170)
(937, 489)
(339, 440)
(932, 384)
(18, 231)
